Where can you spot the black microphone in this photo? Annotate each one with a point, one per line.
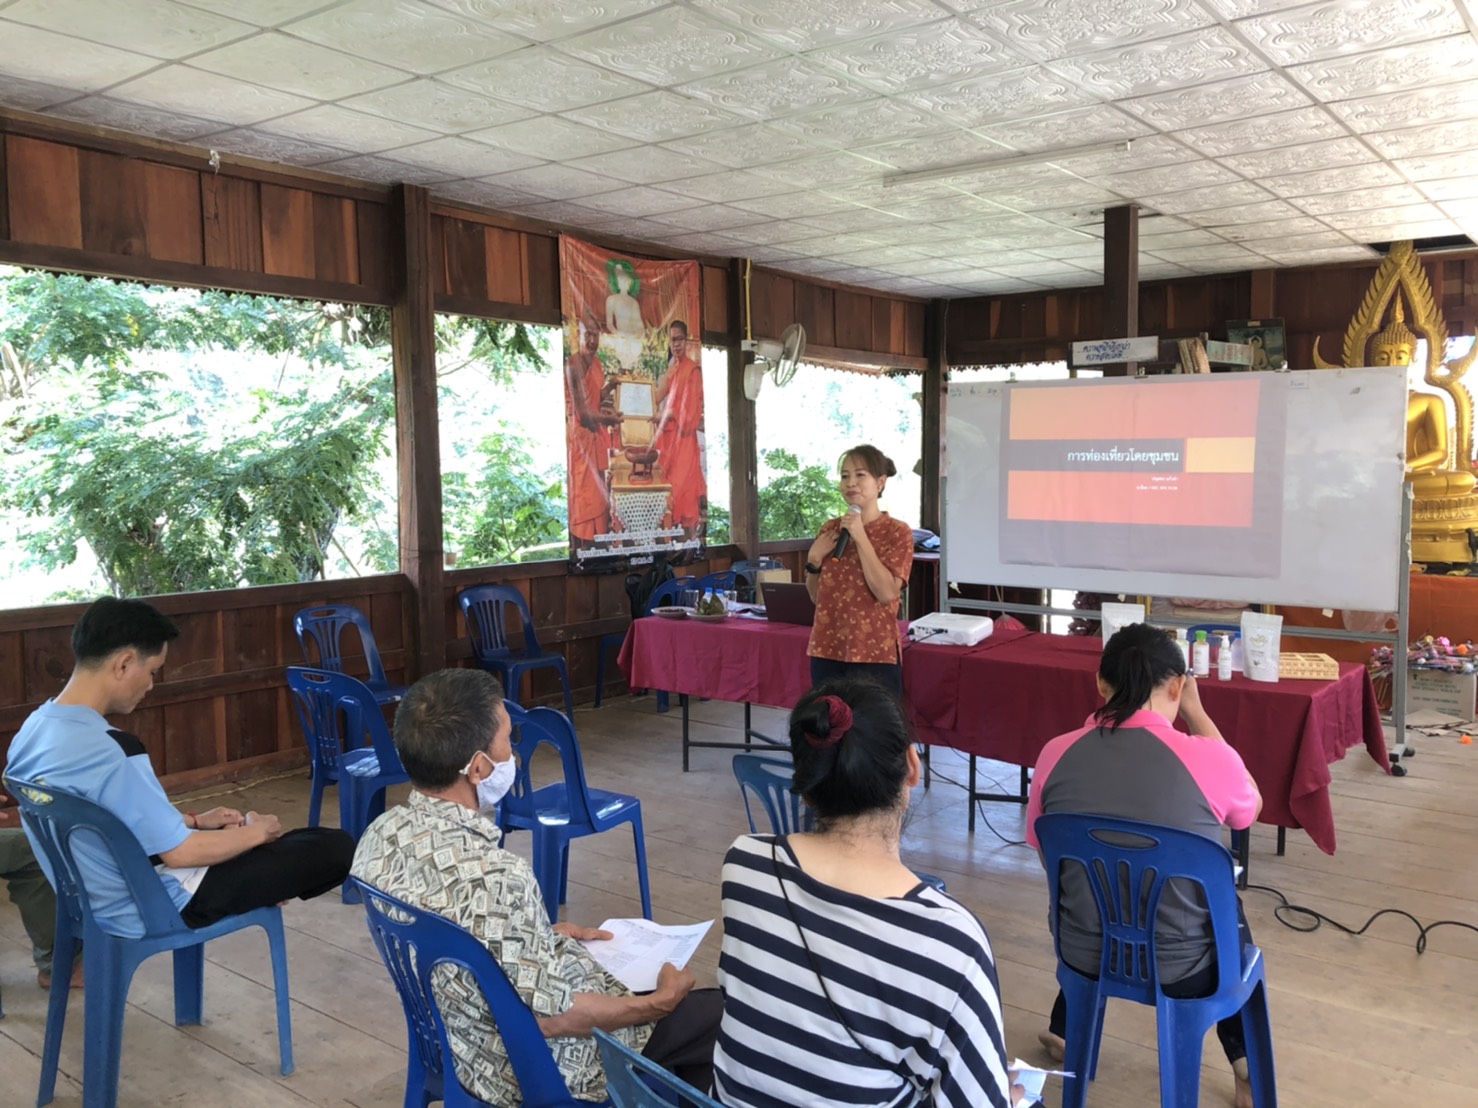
(846, 537)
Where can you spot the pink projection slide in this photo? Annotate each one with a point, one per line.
(1176, 476)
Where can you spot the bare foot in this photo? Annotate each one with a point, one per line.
(43, 977)
(1242, 1095)
(1057, 1048)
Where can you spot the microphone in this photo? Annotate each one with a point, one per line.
(846, 537)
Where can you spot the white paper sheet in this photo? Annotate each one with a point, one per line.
(641, 947)
(1032, 1079)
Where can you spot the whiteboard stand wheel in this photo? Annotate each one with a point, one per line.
(1398, 770)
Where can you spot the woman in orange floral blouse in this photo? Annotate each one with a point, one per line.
(856, 594)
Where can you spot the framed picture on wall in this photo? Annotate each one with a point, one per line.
(1265, 336)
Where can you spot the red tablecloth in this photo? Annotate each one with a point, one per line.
(1005, 698)
(748, 661)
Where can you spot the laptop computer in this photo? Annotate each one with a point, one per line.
(789, 603)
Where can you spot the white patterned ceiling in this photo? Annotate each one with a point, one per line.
(1259, 132)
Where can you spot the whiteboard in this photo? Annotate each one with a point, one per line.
(1308, 512)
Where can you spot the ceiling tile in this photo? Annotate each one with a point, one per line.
(780, 88)
(1227, 255)
(1319, 257)
(1256, 94)
(1369, 175)
(31, 96)
(1241, 9)
(1204, 199)
(159, 28)
(754, 144)
(1081, 251)
(810, 24)
(1146, 67)
(1180, 239)
(544, 20)
(292, 65)
(1391, 232)
(275, 148)
(1389, 196)
(734, 184)
(712, 217)
(1381, 217)
(426, 102)
(1348, 27)
(1168, 178)
(865, 220)
(998, 97)
(770, 255)
(33, 54)
(180, 88)
(1148, 152)
(1027, 198)
(104, 111)
(656, 116)
(638, 202)
(1451, 188)
(1265, 211)
(791, 205)
(1298, 159)
(1394, 110)
(335, 126)
(1070, 130)
(260, 13)
(862, 124)
(647, 165)
(556, 182)
(779, 233)
(404, 33)
(551, 138)
(462, 157)
(539, 78)
(1265, 132)
(1438, 165)
(646, 230)
(941, 151)
(385, 171)
(1464, 212)
(669, 47)
(1440, 61)
(1051, 29)
(831, 169)
(567, 212)
(917, 56)
(484, 193)
(1286, 244)
(1413, 142)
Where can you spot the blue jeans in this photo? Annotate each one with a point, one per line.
(887, 674)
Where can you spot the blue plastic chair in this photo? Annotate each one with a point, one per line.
(748, 572)
(769, 780)
(339, 713)
(55, 818)
(485, 608)
(665, 593)
(413, 942)
(324, 626)
(1127, 882)
(565, 810)
(638, 1082)
(722, 579)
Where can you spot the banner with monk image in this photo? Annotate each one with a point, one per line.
(634, 407)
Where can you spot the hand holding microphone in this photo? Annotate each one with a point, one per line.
(845, 539)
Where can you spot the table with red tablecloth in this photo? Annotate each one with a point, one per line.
(1006, 698)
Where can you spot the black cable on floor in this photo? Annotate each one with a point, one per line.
(948, 780)
(1312, 920)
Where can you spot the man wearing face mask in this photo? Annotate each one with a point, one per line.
(442, 851)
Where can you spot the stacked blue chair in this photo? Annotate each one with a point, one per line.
(324, 627)
(569, 809)
(747, 573)
(1128, 874)
(666, 593)
(413, 942)
(486, 609)
(722, 579)
(769, 780)
(637, 1082)
(58, 820)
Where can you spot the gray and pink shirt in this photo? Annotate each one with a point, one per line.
(1143, 770)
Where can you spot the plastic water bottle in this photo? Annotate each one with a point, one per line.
(1201, 656)
(1224, 658)
(1185, 646)
(1236, 652)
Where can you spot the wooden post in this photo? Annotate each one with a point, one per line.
(417, 435)
(744, 501)
(1121, 280)
(936, 381)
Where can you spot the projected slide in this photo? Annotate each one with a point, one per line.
(1175, 476)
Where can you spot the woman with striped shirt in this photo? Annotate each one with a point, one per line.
(846, 980)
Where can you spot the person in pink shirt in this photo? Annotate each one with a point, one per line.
(1129, 761)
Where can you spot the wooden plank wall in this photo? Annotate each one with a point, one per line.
(1313, 301)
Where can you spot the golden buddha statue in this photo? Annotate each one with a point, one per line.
(1439, 465)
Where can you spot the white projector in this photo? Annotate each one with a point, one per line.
(951, 628)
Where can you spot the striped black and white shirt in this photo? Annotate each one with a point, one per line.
(912, 977)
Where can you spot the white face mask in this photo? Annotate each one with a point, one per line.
(494, 787)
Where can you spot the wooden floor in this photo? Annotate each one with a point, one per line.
(1357, 1021)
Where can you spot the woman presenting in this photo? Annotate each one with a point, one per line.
(855, 571)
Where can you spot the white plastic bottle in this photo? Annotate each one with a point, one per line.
(1236, 652)
(1224, 657)
(1185, 646)
(1201, 656)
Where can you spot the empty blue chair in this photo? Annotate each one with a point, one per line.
(1127, 874)
(413, 942)
(665, 593)
(486, 609)
(324, 626)
(722, 579)
(769, 779)
(565, 810)
(747, 573)
(638, 1082)
(56, 819)
(350, 743)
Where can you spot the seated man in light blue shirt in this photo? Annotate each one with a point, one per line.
(216, 864)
